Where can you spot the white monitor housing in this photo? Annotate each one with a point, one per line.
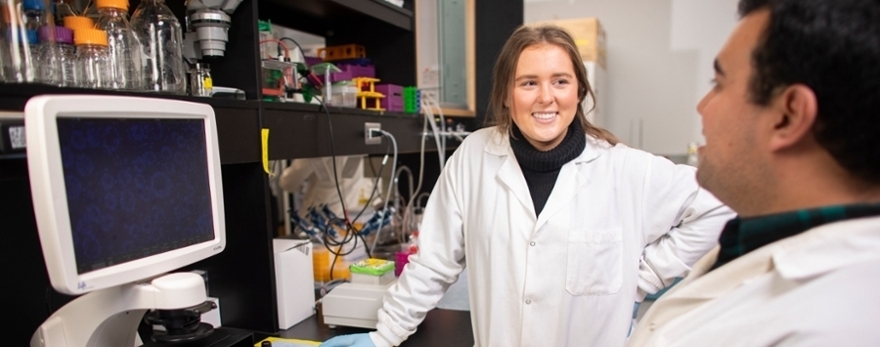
(125, 190)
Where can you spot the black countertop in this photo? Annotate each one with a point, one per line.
(441, 328)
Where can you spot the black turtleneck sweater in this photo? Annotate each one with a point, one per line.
(541, 168)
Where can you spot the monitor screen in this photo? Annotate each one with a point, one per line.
(124, 189)
(135, 187)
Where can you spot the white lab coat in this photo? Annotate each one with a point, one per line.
(818, 288)
(617, 219)
(355, 187)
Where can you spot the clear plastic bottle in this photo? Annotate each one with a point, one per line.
(34, 14)
(693, 154)
(92, 57)
(123, 44)
(19, 39)
(161, 35)
(4, 56)
(57, 56)
(22, 63)
(200, 82)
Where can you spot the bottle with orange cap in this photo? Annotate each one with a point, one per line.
(123, 44)
(92, 57)
(77, 22)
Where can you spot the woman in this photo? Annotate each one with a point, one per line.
(562, 227)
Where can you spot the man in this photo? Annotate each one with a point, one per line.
(792, 132)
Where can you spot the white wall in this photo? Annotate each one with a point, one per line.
(427, 55)
(310, 43)
(660, 55)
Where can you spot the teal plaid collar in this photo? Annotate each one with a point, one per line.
(743, 235)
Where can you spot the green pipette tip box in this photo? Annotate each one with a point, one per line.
(372, 266)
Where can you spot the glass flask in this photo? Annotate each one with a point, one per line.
(161, 36)
(19, 39)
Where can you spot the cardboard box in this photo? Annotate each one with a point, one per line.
(588, 34)
(294, 281)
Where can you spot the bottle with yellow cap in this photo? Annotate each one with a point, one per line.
(77, 22)
(92, 57)
(123, 44)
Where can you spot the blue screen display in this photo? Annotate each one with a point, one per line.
(135, 187)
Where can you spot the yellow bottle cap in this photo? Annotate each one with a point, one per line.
(90, 37)
(120, 4)
(76, 22)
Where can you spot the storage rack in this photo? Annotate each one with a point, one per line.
(243, 275)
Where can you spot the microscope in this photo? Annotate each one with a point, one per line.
(207, 27)
(207, 31)
(119, 259)
(110, 317)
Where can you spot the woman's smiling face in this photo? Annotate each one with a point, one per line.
(544, 98)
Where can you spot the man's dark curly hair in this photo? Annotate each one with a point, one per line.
(833, 47)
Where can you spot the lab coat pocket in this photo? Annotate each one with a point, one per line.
(594, 264)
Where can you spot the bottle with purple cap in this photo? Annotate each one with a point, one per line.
(57, 55)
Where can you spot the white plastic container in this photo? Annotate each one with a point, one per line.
(344, 95)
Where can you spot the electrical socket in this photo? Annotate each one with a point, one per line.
(372, 136)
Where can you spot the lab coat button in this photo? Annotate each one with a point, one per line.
(652, 326)
(528, 301)
(532, 243)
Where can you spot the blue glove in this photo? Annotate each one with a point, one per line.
(354, 340)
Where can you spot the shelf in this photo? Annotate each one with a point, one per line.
(13, 97)
(316, 16)
(296, 130)
(302, 131)
(238, 121)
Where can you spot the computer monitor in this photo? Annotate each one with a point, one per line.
(124, 188)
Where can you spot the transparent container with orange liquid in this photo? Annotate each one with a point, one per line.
(322, 258)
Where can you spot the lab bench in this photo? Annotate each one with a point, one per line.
(242, 276)
(441, 328)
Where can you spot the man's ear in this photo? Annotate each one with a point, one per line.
(797, 109)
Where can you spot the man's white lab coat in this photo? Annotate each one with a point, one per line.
(818, 288)
(617, 219)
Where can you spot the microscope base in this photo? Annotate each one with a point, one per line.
(110, 316)
(221, 337)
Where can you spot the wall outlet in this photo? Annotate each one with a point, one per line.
(372, 136)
